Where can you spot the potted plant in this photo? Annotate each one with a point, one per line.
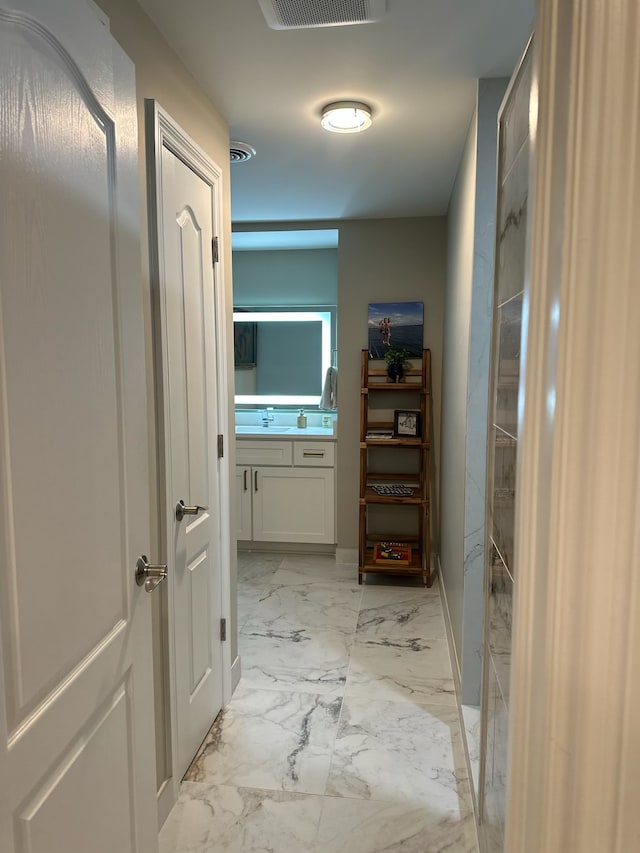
(396, 362)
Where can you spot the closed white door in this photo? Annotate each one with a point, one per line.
(191, 429)
(76, 702)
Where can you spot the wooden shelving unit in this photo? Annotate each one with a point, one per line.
(379, 395)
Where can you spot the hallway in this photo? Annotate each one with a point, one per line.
(343, 734)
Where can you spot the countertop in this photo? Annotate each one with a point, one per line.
(311, 432)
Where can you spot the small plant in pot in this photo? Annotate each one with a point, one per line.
(396, 362)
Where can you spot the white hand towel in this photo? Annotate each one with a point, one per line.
(329, 399)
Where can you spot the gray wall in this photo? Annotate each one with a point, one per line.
(277, 279)
(390, 260)
(471, 225)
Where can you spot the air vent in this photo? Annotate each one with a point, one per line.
(298, 14)
(239, 152)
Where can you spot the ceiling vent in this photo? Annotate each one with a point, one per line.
(239, 152)
(298, 14)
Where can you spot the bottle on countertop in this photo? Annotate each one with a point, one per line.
(302, 419)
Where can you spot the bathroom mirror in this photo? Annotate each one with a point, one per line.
(281, 357)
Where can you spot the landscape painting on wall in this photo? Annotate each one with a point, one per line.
(395, 324)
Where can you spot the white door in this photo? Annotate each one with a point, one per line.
(188, 328)
(76, 703)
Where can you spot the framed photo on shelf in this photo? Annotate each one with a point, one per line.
(406, 424)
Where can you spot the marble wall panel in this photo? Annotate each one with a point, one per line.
(500, 622)
(512, 225)
(515, 119)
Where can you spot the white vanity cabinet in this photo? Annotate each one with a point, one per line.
(285, 491)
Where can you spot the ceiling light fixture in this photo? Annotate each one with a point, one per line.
(346, 117)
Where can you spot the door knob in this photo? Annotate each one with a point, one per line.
(149, 575)
(182, 510)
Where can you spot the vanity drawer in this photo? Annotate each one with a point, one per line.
(263, 452)
(311, 454)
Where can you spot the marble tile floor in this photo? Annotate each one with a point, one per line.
(343, 735)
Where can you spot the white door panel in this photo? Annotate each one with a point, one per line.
(188, 328)
(75, 679)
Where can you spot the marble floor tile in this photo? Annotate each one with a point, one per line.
(356, 826)
(401, 753)
(422, 675)
(226, 819)
(257, 566)
(295, 659)
(317, 606)
(313, 568)
(394, 615)
(270, 739)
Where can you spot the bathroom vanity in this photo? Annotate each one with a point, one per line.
(285, 485)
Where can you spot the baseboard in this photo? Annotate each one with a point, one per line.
(286, 547)
(236, 673)
(457, 679)
(166, 800)
(447, 620)
(347, 556)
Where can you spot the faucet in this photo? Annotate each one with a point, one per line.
(266, 417)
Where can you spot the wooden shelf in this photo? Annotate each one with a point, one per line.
(371, 497)
(415, 568)
(395, 442)
(418, 384)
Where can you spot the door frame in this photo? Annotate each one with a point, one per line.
(162, 131)
(575, 686)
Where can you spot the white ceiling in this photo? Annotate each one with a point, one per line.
(417, 68)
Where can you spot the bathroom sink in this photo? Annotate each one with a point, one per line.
(260, 430)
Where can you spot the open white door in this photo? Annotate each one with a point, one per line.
(185, 193)
(76, 704)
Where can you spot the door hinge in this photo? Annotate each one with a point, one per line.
(220, 446)
(223, 630)
(214, 250)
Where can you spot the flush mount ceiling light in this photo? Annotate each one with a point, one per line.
(346, 117)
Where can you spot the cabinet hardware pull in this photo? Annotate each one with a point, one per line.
(245, 479)
(316, 454)
(255, 481)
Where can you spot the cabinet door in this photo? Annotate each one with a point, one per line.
(243, 502)
(293, 505)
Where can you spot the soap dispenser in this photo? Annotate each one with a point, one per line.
(302, 419)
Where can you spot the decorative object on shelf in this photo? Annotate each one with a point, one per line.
(397, 324)
(395, 489)
(406, 424)
(398, 553)
(396, 362)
